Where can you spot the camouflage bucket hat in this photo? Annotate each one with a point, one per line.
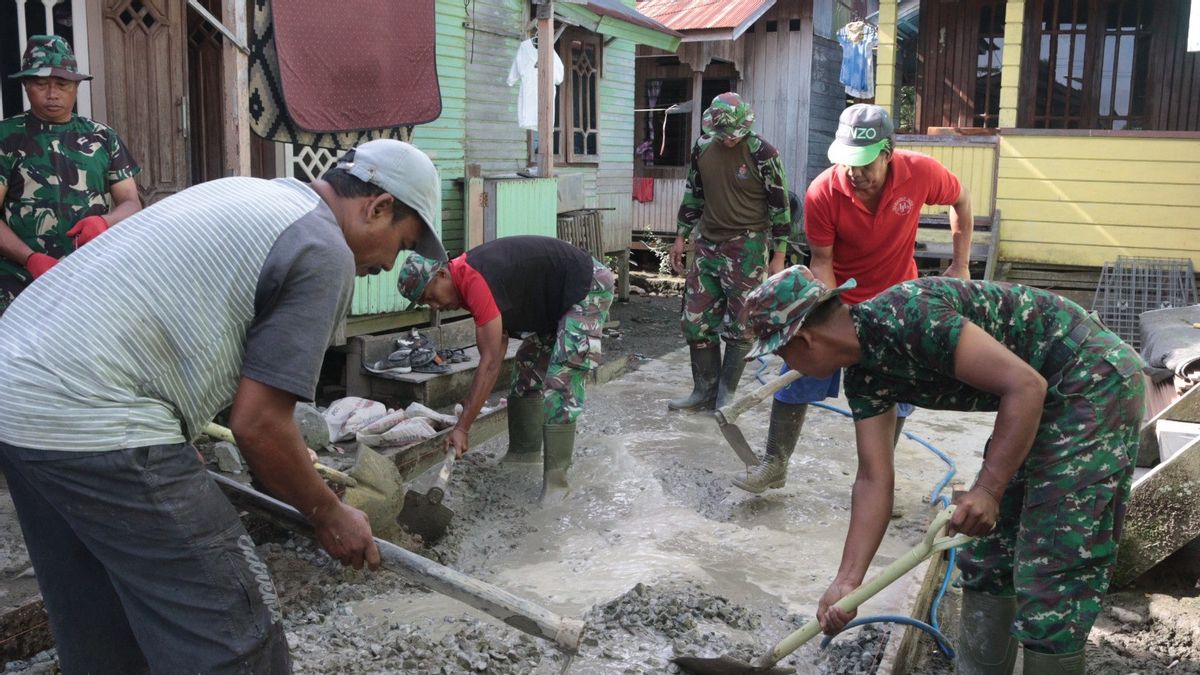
(728, 117)
(415, 274)
(49, 56)
(775, 311)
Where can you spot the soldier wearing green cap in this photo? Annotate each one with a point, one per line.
(556, 296)
(64, 179)
(1048, 503)
(736, 196)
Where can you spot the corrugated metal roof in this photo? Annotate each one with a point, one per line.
(617, 10)
(706, 15)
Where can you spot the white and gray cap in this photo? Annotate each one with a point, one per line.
(408, 175)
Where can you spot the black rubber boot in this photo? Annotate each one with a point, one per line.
(1037, 663)
(787, 419)
(731, 371)
(986, 645)
(559, 446)
(525, 417)
(706, 369)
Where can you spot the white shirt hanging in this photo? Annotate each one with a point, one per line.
(524, 70)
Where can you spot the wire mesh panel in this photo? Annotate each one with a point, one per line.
(1131, 286)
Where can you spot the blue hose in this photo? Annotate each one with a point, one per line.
(762, 368)
(935, 497)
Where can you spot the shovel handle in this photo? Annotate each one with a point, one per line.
(731, 412)
(935, 541)
(438, 491)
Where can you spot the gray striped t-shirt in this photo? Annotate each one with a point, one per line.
(140, 337)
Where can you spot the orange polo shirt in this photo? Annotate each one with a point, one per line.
(876, 249)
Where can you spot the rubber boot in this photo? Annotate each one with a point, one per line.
(986, 645)
(706, 369)
(559, 444)
(731, 371)
(1037, 663)
(526, 414)
(786, 421)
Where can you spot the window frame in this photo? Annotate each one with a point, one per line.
(565, 108)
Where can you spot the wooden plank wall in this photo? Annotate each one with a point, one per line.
(494, 141)
(614, 175)
(1084, 200)
(828, 102)
(777, 71)
(660, 215)
(971, 158)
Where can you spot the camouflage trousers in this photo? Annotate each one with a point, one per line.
(558, 364)
(1055, 542)
(717, 285)
(10, 287)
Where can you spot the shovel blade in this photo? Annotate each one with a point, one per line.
(725, 665)
(423, 518)
(733, 436)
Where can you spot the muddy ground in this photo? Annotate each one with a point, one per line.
(656, 550)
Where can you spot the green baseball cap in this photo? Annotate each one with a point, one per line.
(775, 311)
(49, 56)
(728, 117)
(415, 274)
(864, 130)
(408, 175)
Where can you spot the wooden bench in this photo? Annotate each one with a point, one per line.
(935, 241)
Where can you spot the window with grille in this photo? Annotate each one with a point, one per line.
(577, 116)
(987, 64)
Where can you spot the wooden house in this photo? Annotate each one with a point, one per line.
(780, 55)
(171, 77)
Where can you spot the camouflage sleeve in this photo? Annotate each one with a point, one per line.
(121, 164)
(770, 166)
(692, 206)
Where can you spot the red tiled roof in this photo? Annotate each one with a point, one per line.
(685, 15)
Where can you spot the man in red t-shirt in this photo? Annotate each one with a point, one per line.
(861, 218)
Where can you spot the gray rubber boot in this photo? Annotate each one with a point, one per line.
(706, 368)
(526, 414)
(731, 371)
(1037, 663)
(787, 419)
(986, 645)
(559, 445)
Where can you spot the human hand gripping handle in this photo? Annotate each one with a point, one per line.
(459, 441)
(976, 513)
(832, 618)
(87, 229)
(343, 531)
(39, 263)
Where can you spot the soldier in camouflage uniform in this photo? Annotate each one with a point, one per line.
(64, 179)
(554, 294)
(737, 194)
(1049, 500)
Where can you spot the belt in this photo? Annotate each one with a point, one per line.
(1066, 348)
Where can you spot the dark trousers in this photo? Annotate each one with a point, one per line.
(143, 564)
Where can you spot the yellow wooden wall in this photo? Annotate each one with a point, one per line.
(974, 162)
(1080, 200)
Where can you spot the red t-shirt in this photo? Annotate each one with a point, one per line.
(473, 291)
(876, 249)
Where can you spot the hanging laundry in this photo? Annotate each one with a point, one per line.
(643, 189)
(858, 40)
(524, 70)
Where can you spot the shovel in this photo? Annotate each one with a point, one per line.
(424, 514)
(936, 540)
(728, 414)
(521, 614)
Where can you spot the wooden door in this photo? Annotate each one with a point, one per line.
(145, 70)
(958, 63)
(206, 125)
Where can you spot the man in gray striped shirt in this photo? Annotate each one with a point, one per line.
(226, 293)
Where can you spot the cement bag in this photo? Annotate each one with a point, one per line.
(404, 432)
(346, 416)
(437, 419)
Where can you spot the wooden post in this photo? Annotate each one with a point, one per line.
(698, 106)
(545, 66)
(236, 68)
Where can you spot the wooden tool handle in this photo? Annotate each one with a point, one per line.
(438, 491)
(732, 411)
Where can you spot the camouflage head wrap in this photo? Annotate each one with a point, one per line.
(775, 311)
(728, 117)
(415, 274)
(49, 56)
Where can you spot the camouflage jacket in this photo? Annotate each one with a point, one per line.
(909, 334)
(770, 167)
(56, 174)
